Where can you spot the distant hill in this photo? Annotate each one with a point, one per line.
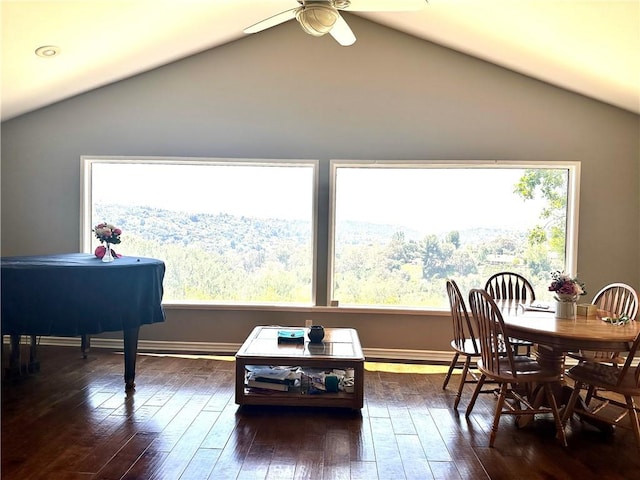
(222, 231)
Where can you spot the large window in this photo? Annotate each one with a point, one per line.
(228, 231)
(367, 234)
(399, 230)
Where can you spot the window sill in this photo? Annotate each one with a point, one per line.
(342, 310)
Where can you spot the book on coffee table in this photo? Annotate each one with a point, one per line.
(280, 387)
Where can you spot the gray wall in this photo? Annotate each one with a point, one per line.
(284, 94)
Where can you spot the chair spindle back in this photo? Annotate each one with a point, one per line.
(494, 343)
(462, 327)
(510, 286)
(618, 299)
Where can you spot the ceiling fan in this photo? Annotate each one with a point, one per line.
(319, 17)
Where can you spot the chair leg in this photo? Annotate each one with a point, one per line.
(560, 433)
(590, 393)
(472, 402)
(498, 413)
(633, 418)
(463, 380)
(453, 364)
(568, 409)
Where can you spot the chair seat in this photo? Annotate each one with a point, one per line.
(467, 348)
(517, 341)
(594, 356)
(605, 376)
(527, 369)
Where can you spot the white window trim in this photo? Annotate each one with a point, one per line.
(573, 196)
(87, 161)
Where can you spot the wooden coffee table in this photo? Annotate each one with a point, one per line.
(340, 349)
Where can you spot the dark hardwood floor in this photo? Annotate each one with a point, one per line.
(73, 420)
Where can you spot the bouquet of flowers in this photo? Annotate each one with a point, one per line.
(105, 232)
(567, 288)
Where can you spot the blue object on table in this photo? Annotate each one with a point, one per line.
(291, 336)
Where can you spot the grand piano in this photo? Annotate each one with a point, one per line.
(76, 294)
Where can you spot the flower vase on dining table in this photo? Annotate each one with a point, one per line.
(566, 306)
(107, 253)
(567, 289)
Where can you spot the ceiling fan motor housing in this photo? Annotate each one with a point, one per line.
(317, 19)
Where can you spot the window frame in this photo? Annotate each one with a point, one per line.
(324, 210)
(573, 201)
(86, 204)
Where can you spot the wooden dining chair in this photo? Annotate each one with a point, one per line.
(608, 379)
(618, 299)
(518, 377)
(614, 300)
(464, 341)
(512, 286)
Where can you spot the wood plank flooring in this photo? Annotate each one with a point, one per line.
(73, 420)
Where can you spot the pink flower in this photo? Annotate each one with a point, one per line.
(564, 284)
(105, 232)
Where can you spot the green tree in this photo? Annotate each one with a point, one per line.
(432, 260)
(454, 238)
(462, 263)
(551, 185)
(401, 252)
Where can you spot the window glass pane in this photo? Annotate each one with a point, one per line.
(226, 232)
(400, 232)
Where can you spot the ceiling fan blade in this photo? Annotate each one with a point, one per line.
(385, 5)
(342, 33)
(277, 19)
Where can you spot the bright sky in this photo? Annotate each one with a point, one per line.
(421, 198)
(276, 192)
(414, 198)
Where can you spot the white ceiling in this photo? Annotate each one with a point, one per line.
(590, 47)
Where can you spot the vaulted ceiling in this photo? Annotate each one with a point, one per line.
(589, 47)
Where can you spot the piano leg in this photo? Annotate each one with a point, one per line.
(15, 368)
(85, 345)
(130, 338)
(34, 363)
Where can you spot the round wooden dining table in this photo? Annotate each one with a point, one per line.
(557, 336)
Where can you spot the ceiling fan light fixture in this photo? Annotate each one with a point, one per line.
(317, 19)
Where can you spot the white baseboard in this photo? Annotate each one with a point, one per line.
(212, 348)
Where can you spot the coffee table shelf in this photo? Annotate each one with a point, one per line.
(340, 349)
